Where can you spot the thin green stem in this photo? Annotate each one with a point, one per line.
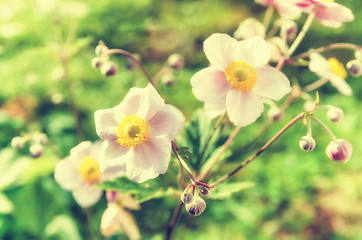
(268, 16)
(309, 128)
(325, 128)
(261, 150)
(327, 48)
(315, 85)
(301, 35)
(182, 162)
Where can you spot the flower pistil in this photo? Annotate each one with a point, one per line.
(241, 75)
(132, 130)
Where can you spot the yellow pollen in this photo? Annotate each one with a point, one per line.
(328, 0)
(241, 75)
(89, 169)
(132, 130)
(337, 68)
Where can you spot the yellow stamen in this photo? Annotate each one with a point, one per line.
(241, 75)
(337, 68)
(132, 130)
(89, 169)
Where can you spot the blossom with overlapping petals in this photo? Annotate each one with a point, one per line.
(79, 171)
(238, 78)
(137, 134)
(332, 70)
(329, 13)
(286, 8)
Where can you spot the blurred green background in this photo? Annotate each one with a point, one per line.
(47, 44)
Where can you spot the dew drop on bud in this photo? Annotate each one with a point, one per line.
(196, 207)
(335, 114)
(340, 150)
(307, 143)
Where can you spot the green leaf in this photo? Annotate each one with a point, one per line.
(142, 191)
(6, 206)
(185, 153)
(226, 190)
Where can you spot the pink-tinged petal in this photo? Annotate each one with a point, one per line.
(78, 152)
(113, 157)
(128, 224)
(210, 85)
(109, 222)
(151, 159)
(144, 102)
(213, 110)
(167, 122)
(254, 51)
(85, 196)
(220, 50)
(66, 175)
(334, 14)
(288, 9)
(340, 84)
(243, 107)
(106, 121)
(271, 83)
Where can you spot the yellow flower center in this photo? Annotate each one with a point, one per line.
(337, 67)
(89, 169)
(328, 0)
(241, 75)
(132, 130)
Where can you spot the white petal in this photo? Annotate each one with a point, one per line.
(213, 110)
(144, 102)
(340, 84)
(78, 152)
(210, 85)
(106, 121)
(66, 175)
(318, 64)
(167, 122)
(109, 222)
(220, 50)
(254, 51)
(96, 149)
(271, 83)
(243, 108)
(128, 224)
(85, 196)
(113, 157)
(151, 159)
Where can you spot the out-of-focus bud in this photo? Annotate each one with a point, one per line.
(335, 114)
(109, 69)
(307, 143)
(57, 98)
(111, 196)
(340, 150)
(204, 190)
(186, 198)
(100, 50)
(249, 28)
(289, 30)
(168, 79)
(40, 138)
(18, 142)
(358, 54)
(354, 67)
(275, 113)
(96, 62)
(196, 207)
(176, 61)
(36, 150)
(277, 47)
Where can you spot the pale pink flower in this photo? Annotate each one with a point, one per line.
(137, 134)
(332, 70)
(286, 8)
(249, 28)
(79, 171)
(329, 13)
(238, 78)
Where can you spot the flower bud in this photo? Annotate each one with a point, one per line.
(308, 106)
(275, 114)
(186, 198)
(196, 207)
(168, 79)
(109, 69)
(175, 61)
(354, 67)
(307, 143)
(249, 28)
(335, 114)
(277, 47)
(204, 190)
(289, 30)
(96, 62)
(358, 53)
(40, 138)
(100, 50)
(36, 150)
(17, 142)
(340, 150)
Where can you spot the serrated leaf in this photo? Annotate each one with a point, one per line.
(185, 153)
(142, 191)
(226, 190)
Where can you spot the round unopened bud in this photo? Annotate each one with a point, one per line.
(36, 150)
(109, 69)
(289, 30)
(100, 50)
(186, 198)
(196, 207)
(18, 142)
(335, 114)
(40, 138)
(176, 61)
(168, 79)
(275, 114)
(354, 67)
(340, 150)
(96, 62)
(204, 190)
(358, 53)
(277, 47)
(249, 28)
(307, 143)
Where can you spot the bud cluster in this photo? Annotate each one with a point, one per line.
(36, 140)
(107, 67)
(191, 197)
